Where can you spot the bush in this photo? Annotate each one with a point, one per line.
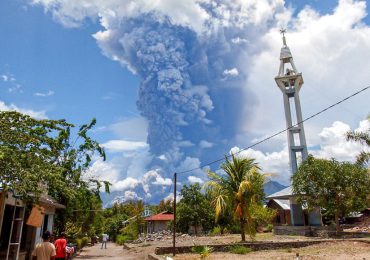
(241, 250)
(79, 243)
(269, 227)
(235, 229)
(131, 231)
(121, 239)
(84, 241)
(216, 231)
(203, 251)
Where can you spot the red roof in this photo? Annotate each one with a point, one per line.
(163, 216)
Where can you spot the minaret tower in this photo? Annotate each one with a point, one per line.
(290, 81)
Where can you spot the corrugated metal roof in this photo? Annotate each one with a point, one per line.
(284, 204)
(283, 194)
(163, 216)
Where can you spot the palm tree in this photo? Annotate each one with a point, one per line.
(362, 138)
(239, 187)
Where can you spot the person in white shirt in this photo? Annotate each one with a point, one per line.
(105, 238)
(44, 250)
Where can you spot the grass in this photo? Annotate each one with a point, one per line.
(240, 250)
(203, 251)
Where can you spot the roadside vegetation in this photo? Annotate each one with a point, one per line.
(53, 157)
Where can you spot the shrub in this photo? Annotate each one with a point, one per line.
(216, 231)
(79, 243)
(84, 241)
(131, 231)
(203, 251)
(121, 239)
(269, 227)
(241, 250)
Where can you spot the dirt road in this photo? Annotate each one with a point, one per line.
(113, 252)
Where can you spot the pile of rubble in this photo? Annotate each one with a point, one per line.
(363, 226)
(158, 236)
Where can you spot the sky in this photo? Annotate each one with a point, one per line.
(175, 85)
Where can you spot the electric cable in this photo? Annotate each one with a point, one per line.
(278, 133)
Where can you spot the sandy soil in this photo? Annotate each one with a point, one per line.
(338, 250)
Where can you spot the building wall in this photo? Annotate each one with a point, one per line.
(282, 217)
(157, 226)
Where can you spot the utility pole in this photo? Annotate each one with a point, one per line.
(174, 214)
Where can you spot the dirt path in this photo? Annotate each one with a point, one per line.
(113, 252)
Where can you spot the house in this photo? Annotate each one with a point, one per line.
(18, 233)
(159, 222)
(302, 216)
(283, 211)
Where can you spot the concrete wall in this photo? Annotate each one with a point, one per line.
(157, 226)
(256, 246)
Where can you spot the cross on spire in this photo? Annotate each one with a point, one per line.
(283, 32)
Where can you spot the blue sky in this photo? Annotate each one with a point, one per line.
(174, 85)
(44, 56)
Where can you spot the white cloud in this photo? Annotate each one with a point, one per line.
(46, 94)
(153, 177)
(231, 72)
(205, 144)
(331, 143)
(329, 50)
(194, 179)
(187, 13)
(127, 196)
(7, 77)
(133, 129)
(128, 183)
(162, 157)
(123, 145)
(35, 114)
(239, 40)
(15, 88)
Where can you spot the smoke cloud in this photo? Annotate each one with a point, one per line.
(192, 59)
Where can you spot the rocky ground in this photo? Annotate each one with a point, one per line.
(140, 250)
(363, 226)
(339, 250)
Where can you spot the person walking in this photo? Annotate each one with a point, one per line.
(44, 250)
(104, 240)
(61, 247)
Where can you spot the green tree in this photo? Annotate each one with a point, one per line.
(194, 209)
(362, 138)
(240, 188)
(26, 154)
(338, 187)
(164, 205)
(41, 156)
(73, 155)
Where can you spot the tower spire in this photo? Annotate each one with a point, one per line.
(290, 81)
(283, 31)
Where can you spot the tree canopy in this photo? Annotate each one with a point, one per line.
(338, 187)
(363, 138)
(194, 209)
(27, 154)
(42, 156)
(240, 188)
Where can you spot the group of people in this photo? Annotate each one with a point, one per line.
(49, 251)
(46, 250)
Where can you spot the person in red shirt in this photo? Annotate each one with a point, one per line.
(60, 246)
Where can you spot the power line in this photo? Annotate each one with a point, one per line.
(280, 132)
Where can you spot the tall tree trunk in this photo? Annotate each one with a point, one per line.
(242, 228)
(337, 225)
